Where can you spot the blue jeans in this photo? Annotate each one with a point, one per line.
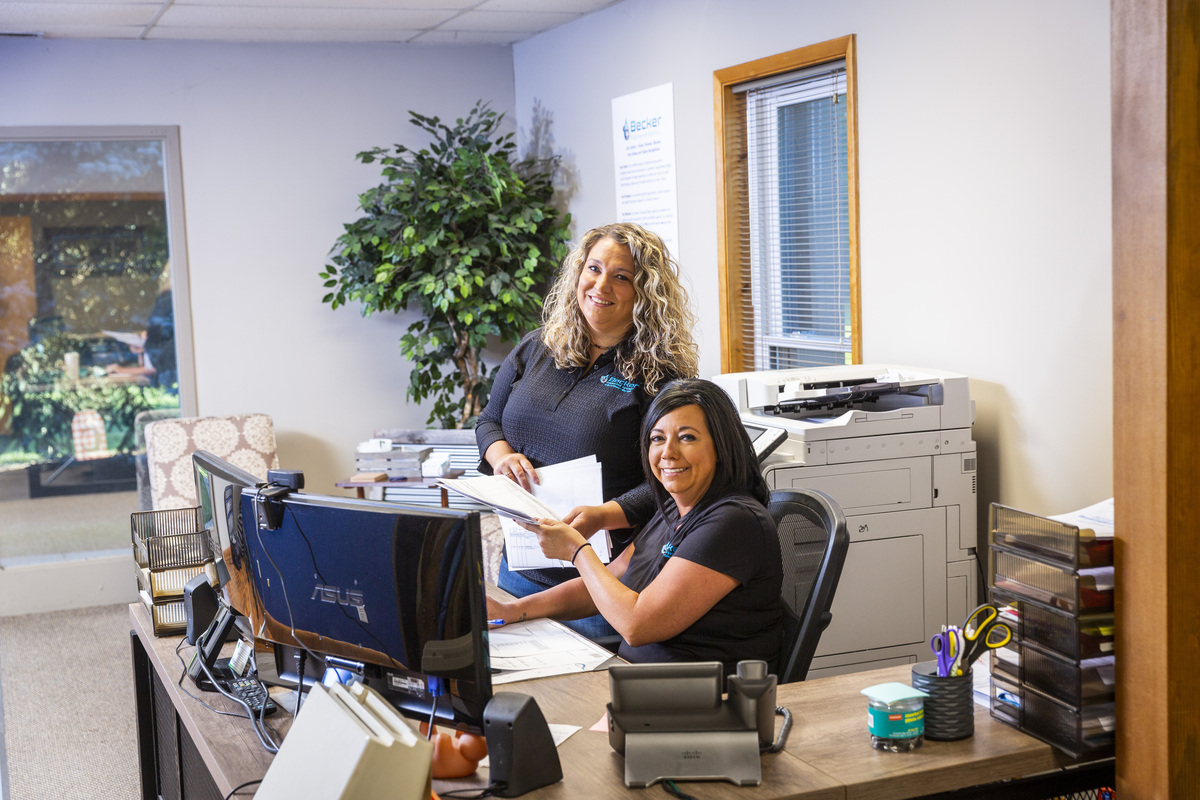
(516, 584)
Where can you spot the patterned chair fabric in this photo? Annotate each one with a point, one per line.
(141, 465)
(244, 440)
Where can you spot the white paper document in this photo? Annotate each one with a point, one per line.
(502, 494)
(562, 487)
(1097, 518)
(538, 648)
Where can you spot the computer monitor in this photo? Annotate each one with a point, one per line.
(392, 593)
(218, 488)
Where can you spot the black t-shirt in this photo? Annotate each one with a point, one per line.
(735, 536)
(551, 415)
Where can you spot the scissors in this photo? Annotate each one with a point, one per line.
(948, 647)
(983, 631)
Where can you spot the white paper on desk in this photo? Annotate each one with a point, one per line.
(562, 487)
(546, 659)
(981, 685)
(542, 648)
(1098, 518)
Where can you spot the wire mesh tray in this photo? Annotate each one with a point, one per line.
(169, 583)
(168, 616)
(1055, 586)
(169, 539)
(1049, 539)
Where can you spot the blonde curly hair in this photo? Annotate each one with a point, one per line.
(659, 346)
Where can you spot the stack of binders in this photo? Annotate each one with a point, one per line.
(399, 463)
(1055, 681)
(170, 547)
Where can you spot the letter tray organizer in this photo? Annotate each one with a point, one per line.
(169, 549)
(1055, 680)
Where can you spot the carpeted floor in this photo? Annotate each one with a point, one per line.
(66, 685)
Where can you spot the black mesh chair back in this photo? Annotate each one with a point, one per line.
(813, 541)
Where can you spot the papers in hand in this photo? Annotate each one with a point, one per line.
(502, 494)
(562, 487)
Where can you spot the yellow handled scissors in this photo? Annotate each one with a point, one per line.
(982, 631)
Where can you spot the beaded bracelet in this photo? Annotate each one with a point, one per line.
(577, 549)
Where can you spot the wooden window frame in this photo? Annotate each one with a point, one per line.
(731, 244)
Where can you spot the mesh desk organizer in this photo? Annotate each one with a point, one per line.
(170, 547)
(1055, 680)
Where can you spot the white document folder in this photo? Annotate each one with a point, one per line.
(348, 743)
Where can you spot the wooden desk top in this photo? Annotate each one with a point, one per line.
(228, 745)
(830, 732)
(593, 770)
(828, 754)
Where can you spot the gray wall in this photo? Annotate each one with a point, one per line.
(268, 135)
(984, 193)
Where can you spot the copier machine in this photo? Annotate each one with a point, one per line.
(892, 445)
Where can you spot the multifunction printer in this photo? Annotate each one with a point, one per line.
(892, 445)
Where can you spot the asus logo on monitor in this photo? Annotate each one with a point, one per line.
(343, 597)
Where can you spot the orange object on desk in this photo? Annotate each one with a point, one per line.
(456, 755)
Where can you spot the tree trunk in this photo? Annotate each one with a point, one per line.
(467, 361)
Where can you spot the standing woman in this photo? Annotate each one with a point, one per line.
(616, 327)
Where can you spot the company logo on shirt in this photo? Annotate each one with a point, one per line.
(668, 550)
(613, 382)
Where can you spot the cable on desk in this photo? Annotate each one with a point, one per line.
(266, 736)
(671, 788)
(241, 786)
(179, 683)
(784, 730)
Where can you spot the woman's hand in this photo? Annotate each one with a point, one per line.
(502, 613)
(558, 539)
(511, 464)
(589, 519)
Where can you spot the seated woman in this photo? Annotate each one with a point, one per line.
(701, 581)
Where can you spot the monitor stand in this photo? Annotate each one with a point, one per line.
(216, 635)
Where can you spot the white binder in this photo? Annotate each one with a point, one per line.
(348, 743)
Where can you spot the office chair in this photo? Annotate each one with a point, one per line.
(813, 541)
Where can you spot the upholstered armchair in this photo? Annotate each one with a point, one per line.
(244, 440)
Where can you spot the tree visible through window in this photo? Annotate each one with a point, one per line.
(787, 176)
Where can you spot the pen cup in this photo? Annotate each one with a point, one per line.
(949, 711)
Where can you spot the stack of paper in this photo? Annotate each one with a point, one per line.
(396, 463)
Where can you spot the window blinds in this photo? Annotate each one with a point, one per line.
(796, 306)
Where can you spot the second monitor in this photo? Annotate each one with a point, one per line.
(390, 592)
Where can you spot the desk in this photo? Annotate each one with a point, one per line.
(828, 756)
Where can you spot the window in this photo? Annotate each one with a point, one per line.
(787, 194)
(93, 280)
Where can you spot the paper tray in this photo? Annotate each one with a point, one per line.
(1048, 539)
